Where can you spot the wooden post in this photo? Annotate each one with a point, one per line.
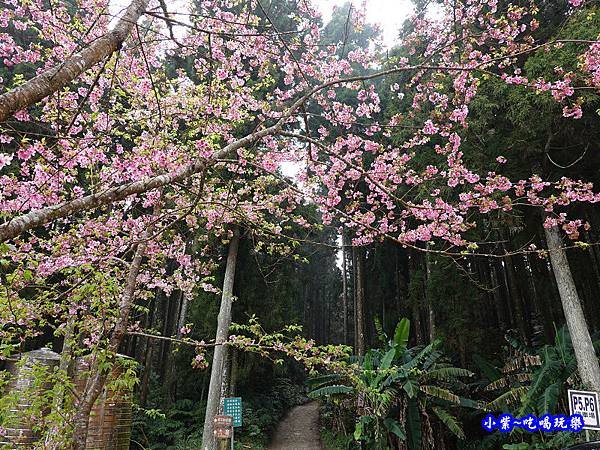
(220, 352)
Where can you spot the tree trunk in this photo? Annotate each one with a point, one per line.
(171, 376)
(415, 307)
(97, 376)
(204, 386)
(220, 353)
(165, 346)
(430, 312)
(226, 374)
(397, 281)
(587, 362)
(503, 279)
(360, 303)
(528, 306)
(517, 301)
(149, 351)
(344, 289)
(541, 303)
(234, 372)
(497, 296)
(354, 290)
(145, 381)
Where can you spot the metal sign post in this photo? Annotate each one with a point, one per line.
(232, 406)
(586, 404)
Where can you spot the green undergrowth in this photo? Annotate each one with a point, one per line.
(332, 440)
(179, 427)
(334, 421)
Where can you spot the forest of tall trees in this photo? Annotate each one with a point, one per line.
(248, 198)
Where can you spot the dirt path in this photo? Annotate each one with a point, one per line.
(299, 430)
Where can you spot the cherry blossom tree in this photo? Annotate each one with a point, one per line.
(106, 150)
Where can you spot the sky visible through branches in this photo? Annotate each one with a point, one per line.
(388, 14)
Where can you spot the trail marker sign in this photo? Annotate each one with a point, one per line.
(232, 406)
(586, 404)
(223, 426)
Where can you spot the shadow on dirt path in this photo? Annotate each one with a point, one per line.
(299, 430)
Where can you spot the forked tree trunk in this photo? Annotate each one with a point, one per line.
(587, 362)
(220, 354)
(97, 377)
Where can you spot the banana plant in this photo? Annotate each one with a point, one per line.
(403, 391)
(536, 381)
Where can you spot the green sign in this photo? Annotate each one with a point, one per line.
(232, 406)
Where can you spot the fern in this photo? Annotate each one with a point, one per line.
(548, 372)
(469, 403)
